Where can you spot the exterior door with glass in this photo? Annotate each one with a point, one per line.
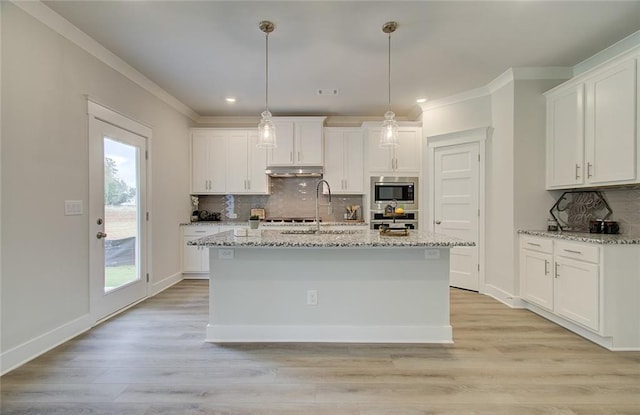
(118, 225)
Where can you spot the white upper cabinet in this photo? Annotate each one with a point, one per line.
(208, 162)
(403, 159)
(344, 160)
(610, 128)
(592, 135)
(299, 140)
(227, 161)
(565, 137)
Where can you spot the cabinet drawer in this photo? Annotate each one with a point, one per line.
(536, 244)
(199, 230)
(582, 252)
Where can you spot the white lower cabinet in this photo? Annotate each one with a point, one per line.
(195, 259)
(592, 289)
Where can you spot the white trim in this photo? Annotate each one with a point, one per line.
(33, 348)
(502, 296)
(66, 29)
(617, 49)
(474, 135)
(329, 333)
(456, 99)
(171, 280)
(117, 119)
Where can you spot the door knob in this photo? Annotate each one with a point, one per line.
(101, 235)
(438, 222)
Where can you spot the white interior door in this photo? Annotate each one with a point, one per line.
(117, 218)
(456, 208)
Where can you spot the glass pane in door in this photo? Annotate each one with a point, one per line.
(121, 214)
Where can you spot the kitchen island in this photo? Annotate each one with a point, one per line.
(336, 286)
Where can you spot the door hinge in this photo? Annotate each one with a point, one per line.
(147, 215)
(146, 154)
(478, 212)
(478, 267)
(478, 158)
(147, 277)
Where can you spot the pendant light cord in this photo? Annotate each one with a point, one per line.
(389, 71)
(266, 72)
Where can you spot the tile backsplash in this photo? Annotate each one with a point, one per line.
(625, 204)
(290, 197)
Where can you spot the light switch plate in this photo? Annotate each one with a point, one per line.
(73, 207)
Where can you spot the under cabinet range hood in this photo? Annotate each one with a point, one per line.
(295, 171)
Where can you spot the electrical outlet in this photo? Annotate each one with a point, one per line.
(233, 216)
(312, 297)
(432, 254)
(225, 253)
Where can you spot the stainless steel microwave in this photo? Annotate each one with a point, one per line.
(404, 190)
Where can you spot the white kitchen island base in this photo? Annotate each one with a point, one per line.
(364, 294)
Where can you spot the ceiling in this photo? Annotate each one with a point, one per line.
(203, 51)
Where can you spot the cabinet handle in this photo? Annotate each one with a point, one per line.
(531, 243)
(344, 184)
(299, 159)
(577, 171)
(589, 165)
(556, 271)
(571, 251)
(248, 184)
(546, 267)
(291, 156)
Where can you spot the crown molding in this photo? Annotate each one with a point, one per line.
(63, 27)
(619, 48)
(455, 99)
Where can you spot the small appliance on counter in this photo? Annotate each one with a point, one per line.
(205, 216)
(604, 226)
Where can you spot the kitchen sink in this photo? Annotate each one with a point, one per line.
(322, 232)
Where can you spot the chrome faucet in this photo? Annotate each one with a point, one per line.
(318, 202)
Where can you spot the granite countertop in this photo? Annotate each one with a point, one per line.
(594, 238)
(273, 224)
(345, 238)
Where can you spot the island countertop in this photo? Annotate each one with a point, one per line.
(328, 239)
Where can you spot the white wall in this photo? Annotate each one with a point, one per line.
(45, 80)
(460, 116)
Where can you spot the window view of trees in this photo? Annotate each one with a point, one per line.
(116, 191)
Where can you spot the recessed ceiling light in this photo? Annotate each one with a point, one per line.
(230, 100)
(421, 100)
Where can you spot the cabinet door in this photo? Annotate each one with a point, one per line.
(537, 278)
(238, 166)
(258, 181)
(353, 162)
(200, 174)
(577, 292)
(611, 125)
(194, 258)
(308, 143)
(565, 138)
(407, 154)
(218, 162)
(334, 160)
(283, 154)
(380, 159)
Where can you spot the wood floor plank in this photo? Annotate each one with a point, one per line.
(152, 360)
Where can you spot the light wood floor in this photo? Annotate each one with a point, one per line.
(152, 360)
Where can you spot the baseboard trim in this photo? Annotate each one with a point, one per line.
(329, 334)
(503, 296)
(37, 346)
(158, 287)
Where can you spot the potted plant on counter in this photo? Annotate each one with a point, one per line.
(254, 221)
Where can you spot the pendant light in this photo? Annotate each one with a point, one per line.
(389, 133)
(266, 129)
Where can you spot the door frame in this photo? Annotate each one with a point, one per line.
(474, 135)
(99, 112)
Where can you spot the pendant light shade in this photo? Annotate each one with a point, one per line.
(389, 132)
(266, 128)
